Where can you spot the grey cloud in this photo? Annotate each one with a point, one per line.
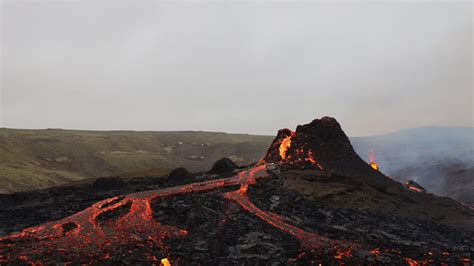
(248, 67)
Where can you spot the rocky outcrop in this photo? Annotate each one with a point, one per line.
(179, 173)
(223, 166)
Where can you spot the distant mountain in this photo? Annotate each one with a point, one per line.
(439, 158)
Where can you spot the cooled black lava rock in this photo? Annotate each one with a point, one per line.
(106, 183)
(218, 231)
(222, 233)
(179, 173)
(223, 166)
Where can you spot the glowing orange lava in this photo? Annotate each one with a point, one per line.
(92, 231)
(412, 262)
(165, 262)
(284, 146)
(313, 161)
(413, 188)
(376, 251)
(342, 254)
(129, 220)
(373, 163)
(308, 240)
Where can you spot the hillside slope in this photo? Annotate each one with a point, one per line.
(441, 159)
(33, 159)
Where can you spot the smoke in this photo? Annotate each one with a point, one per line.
(431, 156)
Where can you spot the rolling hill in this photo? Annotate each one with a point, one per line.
(34, 159)
(441, 159)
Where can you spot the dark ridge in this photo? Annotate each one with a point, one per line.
(179, 173)
(68, 226)
(223, 166)
(113, 213)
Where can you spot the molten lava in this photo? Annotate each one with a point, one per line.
(303, 157)
(87, 236)
(165, 262)
(414, 186)
(373, 163)
(116, 227)
(284, 146)
(415, 189)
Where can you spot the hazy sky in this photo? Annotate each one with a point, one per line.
(250, 67)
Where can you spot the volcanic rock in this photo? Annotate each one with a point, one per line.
(105, 183)
(311, 201)
(323, 145)
(179, 173)
(223, 166)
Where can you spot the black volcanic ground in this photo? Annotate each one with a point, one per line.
(319, 204)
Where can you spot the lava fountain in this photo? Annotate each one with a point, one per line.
(372, 161)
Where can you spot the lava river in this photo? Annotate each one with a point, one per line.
(94, 234)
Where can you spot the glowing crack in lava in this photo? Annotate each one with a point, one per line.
(89, 236)
(415, 187)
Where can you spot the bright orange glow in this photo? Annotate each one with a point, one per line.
(412, 262)
(284, 146)
(376, 252)
(341, 254)
(374, 165)
(413, 188)
(372, 161)
(86, 228)
(313, 161)
(165, 262)
(311, 158)
(308, 240)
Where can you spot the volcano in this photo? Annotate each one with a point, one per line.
(320, 144)
(310, 200)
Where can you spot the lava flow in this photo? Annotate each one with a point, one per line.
(88, 236)
(151, 227)
(308, 240)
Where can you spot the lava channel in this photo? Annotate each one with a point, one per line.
(93, 234)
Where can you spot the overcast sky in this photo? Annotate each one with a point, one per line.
(250, 67)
